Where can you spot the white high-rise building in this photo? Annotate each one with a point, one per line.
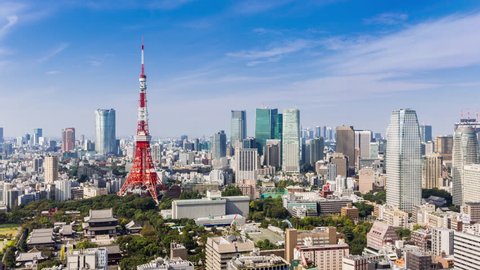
(105, 131)
(442, 241)
(50, 168)
(291, 146)
(466, 249)
(404, 164)
(246, 164)
(157, 153)
(465, 152)
(362, 143)
(471, 183)
(63, 190)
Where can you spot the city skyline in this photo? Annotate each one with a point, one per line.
(301, 64)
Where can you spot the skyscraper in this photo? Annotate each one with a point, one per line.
(1, 134)
(219, 145)
(345, 139)
(249, 143)
(291, 147)
(50, 168)
(279, 127)
(404, 164)
(238, 127)
(362, 143)
(318, 132)
(444, 146)
(266, 127)
(37, 133)
(105, 131)
(465, 152)
(432, 171)
(426, 133)
(246, 164)
(314, 151)
(272, 153)
(63, 190)
(68, 139)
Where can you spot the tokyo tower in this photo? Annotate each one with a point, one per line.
(142, 177)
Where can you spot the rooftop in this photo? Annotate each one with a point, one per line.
(104, 215)
(248, 262)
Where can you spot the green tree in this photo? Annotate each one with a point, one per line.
(232, 190)
(85, 244)
(379, 197)
(48, 264)
(9, 257)
(439, 193)
(265, 245)
(403, 233)
(364, 209)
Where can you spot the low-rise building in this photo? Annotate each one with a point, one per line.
(178, 251)
(220, 221)
(220, 250)
(418, 260)
(349, 211)
(472, 209)
(422, 239)
(88, 259)
(395, 217)
(359, 262)
(41, 239)
(324, 257)
(29, 258)
(100, 222)
(319, 236)
(213, 205)
(380, 234)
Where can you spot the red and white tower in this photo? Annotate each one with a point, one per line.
(142, 176)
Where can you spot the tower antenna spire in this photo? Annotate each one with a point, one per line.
(143, 60)
(142, 177)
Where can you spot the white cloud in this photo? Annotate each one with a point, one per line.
(249, 7)
(52, 53)
(11, 21)
(168, 4)
(387, 19)
(52, 72)
(451, 42)
(273, 53)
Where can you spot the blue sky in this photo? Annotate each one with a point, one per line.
(339, 62)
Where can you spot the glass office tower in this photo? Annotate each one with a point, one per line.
(105, 131)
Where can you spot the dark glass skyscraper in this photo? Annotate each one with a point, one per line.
(267, 126)
(279, 127)
(426, 133)
(219, 145)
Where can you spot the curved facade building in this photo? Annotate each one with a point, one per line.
(105, 142)
(465, 152)
(404, 163)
